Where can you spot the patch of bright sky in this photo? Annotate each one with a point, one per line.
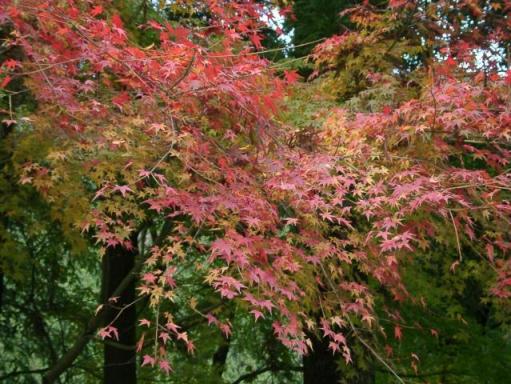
(491, 57)
(277, 24)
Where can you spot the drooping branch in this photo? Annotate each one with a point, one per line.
(357, 334)
(428, 374)
(96, 321)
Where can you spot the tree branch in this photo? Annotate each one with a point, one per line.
(24, 372)
(428, 374)
(69, 357)
(257, 372)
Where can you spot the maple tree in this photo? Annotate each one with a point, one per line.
(177, 158)
(385, 80)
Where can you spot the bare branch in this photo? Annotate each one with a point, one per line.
(70, 356)
(257, 372)
(24, 372)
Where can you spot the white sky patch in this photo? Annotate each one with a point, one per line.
(277, 24)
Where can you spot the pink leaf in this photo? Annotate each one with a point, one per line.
(398, 333)
(144, 322)
(226, 329)
(148, 360)
(257, 314)
(211, 319)
(165, 366)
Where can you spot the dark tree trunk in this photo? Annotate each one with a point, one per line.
(220, 357)
(1, 288)
(120, 356)
(320, 365)
(17, 97)
(366, 376)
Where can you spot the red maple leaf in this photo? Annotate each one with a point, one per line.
(398, 333)
(96, 11)
(121, 99)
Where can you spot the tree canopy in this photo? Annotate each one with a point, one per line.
(180, 200)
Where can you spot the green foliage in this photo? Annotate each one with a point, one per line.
(313, 20)
(452, 332)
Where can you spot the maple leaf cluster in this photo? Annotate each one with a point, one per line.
(185, 131)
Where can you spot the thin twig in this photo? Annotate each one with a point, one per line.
(357, 335)
(458, 244)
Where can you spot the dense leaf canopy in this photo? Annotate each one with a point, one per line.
(367, 202)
